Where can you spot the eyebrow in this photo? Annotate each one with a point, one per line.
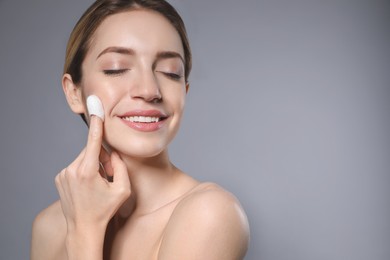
(168, 55)
(128, 51)
(120, 50)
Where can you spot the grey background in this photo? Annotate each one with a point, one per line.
(288, 109)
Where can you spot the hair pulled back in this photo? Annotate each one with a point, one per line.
(83, 32)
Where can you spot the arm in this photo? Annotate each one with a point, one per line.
(48, 234)
(207, 225)
(88, 200)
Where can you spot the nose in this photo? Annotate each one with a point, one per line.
(146, 87)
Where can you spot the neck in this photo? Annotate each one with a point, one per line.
(151, 182)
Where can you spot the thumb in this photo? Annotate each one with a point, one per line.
(121, 179)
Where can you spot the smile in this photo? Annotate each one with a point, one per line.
(142, 119)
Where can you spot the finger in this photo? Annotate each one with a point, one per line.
(76, 163)
(102, 171)
(105, 160)
(121, 178)
(106, 169)
(94, 144)
(60, 185)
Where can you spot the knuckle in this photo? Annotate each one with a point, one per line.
(69, 174)
(60, 177)
(80, 176)
(123, 192)
(89, 166)
(57, 180)
(81, 167)
(68, 171)
(83, 171)
(126, 192)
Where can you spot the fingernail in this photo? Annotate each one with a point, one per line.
(95, 107)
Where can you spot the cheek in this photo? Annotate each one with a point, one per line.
(109, 92)
(176, 97)
(96, 86)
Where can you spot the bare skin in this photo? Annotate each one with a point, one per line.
(150, 209)
(183, 229)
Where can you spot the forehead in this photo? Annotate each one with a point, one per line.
(144, 31)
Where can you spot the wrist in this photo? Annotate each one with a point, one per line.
(85, 242)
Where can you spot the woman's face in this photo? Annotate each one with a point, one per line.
(135, 66)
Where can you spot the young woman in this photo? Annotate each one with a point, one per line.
(132, 202)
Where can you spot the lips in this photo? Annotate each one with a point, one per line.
(144, 120)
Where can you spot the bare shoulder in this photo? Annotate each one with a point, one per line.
(48, 233)
(210, 197)
(209, 223)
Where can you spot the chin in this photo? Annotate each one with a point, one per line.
(139, 149)
(139, 144)
(142, 152)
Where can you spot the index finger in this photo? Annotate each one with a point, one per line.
(94, 143)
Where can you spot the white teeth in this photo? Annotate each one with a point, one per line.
(142, 119)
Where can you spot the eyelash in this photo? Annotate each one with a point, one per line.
(114, 72)
(119, 72)
(173, 76)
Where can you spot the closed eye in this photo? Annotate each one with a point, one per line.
(115, 72)
(171, 75)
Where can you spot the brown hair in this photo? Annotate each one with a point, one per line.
(81, 36)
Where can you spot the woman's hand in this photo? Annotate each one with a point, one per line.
(89, 200)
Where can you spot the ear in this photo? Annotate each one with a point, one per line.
(73, 94)
(187, 87)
